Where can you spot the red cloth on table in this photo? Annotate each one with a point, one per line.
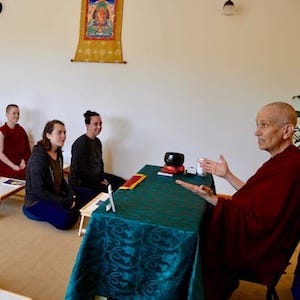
(16, 148)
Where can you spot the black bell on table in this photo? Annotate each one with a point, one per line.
(173, 163)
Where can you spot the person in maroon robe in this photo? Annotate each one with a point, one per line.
(14, 145)
(256, 229)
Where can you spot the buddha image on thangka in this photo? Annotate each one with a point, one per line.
(100, 19)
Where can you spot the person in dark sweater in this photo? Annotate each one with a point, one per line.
(87, 176)
(48, 196)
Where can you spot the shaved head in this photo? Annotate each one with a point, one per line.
(282, 113)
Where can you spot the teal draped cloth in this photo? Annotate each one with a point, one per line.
(148, 249)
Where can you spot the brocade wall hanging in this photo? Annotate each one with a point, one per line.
(100, 32)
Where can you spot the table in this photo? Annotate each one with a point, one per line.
(148, 249)
(88, 209)
(8, 190)
(6, 295)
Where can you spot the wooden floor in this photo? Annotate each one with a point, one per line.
(36, 259)
(251, 291)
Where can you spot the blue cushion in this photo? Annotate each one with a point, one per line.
(29, 215)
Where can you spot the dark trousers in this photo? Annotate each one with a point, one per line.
(86, 194)
(56, 215)
(114, 180)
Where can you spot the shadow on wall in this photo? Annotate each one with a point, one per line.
(29, 118)
(114, 133)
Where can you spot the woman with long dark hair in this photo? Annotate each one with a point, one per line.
(48, 196)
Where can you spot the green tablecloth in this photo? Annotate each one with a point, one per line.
(148, 249)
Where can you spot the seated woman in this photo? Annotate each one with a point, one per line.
(14, 145)
(87, 176)
(48, 197)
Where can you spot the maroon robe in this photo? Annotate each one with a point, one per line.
(16, 148)
(256, 230)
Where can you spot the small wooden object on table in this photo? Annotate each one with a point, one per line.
(10, 186)
(87, 210)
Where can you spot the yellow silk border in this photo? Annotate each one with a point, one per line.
(104, 50)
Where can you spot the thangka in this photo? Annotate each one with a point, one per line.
(100, 31)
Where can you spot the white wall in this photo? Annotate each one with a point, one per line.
(193, 82)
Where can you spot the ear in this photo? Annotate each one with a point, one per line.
(48, 135)
(288, 131)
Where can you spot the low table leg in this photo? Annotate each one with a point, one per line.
(80, 225)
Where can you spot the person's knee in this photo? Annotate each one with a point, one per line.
(31, 215)
(114, 180)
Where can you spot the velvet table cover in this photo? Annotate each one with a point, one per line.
(148, 249)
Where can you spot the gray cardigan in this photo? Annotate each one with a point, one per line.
(39, 180)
